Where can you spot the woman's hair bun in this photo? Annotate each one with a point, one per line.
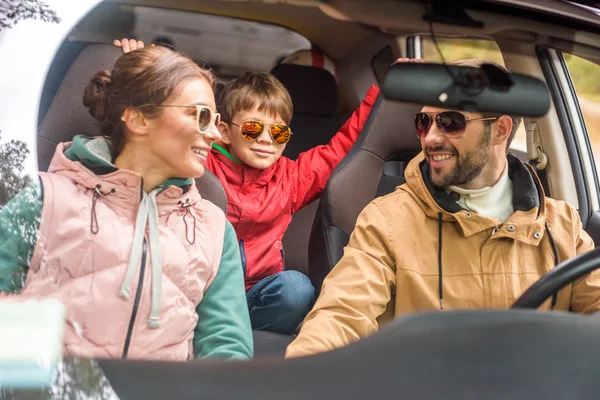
(95, 95)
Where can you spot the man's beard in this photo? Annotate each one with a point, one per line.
(467, 166)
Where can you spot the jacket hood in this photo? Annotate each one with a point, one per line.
(94, 153)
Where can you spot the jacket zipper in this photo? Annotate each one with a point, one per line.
(495, 229)
(138, 292)
(243, 255)
(136, 303)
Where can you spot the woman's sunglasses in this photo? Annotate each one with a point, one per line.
(451, 123)
(251, 130)
(205, 116)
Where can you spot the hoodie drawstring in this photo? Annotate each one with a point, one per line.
(147, 214)
(440, 279)
(556, 262)
(187, 205)
(94, 228)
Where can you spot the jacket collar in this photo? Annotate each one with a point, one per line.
(528, 202)
(239, 173)
(87, 162)
(94, 153)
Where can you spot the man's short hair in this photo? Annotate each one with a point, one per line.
(478, 62)
(256, 89)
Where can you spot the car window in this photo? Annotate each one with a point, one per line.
(585, 76)
(454, 49)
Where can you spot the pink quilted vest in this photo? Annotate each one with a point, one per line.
(143, 308)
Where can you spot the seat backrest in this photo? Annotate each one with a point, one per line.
(314, 94)
(67, 116)
(373, 167)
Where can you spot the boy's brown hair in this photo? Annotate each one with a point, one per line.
(252, 89)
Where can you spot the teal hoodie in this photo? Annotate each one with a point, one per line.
(215, 336)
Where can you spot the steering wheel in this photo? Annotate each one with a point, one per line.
(562, 275)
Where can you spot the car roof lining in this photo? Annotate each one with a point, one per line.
(310, 22)
(405, 17)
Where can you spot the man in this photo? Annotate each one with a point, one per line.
(470, 229)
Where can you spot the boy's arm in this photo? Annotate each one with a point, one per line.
(316, 165)
(223, 330)
(19, 227)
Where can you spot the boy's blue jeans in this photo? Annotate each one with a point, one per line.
(279, 303)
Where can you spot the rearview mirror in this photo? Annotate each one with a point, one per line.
(487, 89)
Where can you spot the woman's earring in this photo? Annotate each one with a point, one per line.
(123, 118)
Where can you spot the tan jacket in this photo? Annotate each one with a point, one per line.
(406, 243)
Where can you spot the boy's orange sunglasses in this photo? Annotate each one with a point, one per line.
(251, 130)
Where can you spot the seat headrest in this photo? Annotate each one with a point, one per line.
(67, 116)
(313, 90)
(388, 133)
(390, 129)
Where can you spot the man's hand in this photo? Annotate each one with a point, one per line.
(403, 60)
(129, 44)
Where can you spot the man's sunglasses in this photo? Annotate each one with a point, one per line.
(205, 116)
(251, 130)
(451, 123)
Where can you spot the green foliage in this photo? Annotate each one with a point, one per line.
(12, 155)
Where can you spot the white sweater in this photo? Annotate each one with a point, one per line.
(493, 202)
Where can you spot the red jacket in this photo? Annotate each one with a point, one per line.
(261, 201)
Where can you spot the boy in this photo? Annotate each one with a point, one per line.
(265, 189)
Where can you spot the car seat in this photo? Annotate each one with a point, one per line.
(373, 167)
(309, 77)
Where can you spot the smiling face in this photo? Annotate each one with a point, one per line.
(461, 160)
(173, 140)
(260, 153)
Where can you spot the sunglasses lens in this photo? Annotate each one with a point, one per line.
(281, 133)
(251, 130)
(451, 122)
(422, 124)
(204, 119)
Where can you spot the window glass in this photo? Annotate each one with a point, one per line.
(586, 79)
(458, 48)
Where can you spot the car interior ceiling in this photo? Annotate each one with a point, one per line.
(318, 115)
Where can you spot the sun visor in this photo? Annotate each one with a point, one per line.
(487, 89)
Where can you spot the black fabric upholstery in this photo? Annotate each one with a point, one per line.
(270, 344)
(313, 90)
(329, 254)
(308, 132)
(451, 355)
(387, 135)
(67, 116)
(295, 240)
(392, 177)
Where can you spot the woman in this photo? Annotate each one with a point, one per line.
(143, 265)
